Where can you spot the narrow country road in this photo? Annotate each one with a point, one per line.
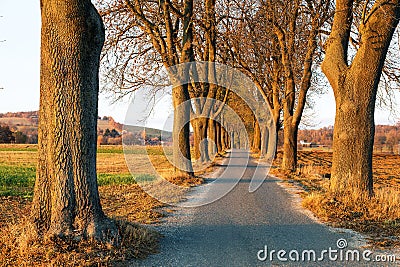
(232, 230)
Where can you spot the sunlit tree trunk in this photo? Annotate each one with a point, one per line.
(200, 139)
(257, 137)
(295, 93)
(212, 137)
(66, 199)
(289, 161)
(224, 139)
(181, 131)
(355, 88)
(181, 97)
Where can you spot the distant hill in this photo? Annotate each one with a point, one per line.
(22, 114)
(27, 124)
(18, 119)
(149, 131)
(22, 120)
(108, 122)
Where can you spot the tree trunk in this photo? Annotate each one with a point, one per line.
(224, 139)
(66, 200)
(232, 140)
(277, 123)
(265, 138)
(219, 137)
(200, 139)
(289, 161)
(238, 140)
(181, 99)
(257, 138)
(228, 140)
(355, 87)
(212, 137)
(353, 137)
(181, 131)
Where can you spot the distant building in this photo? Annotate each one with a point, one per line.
(304, 143)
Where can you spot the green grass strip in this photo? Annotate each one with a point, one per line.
(20, 180)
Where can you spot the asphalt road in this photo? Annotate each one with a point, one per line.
(232, 230)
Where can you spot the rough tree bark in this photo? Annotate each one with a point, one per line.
(212, 135)
(218, 136)
(355, 87)
(180, 95)
(200, 142)
(181, 131)
(289, 160)
(257, 138)
(66, 200)
(224, 139)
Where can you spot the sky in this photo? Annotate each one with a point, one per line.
(20, 66)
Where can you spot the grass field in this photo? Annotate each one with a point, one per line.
(18, 169)
(121, 197)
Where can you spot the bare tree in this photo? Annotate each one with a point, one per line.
(66, 201)
(252, 49)
(296, 25)
(154, 34)
(275, 43)
(354, 81)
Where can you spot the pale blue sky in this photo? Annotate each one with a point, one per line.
(20, 62)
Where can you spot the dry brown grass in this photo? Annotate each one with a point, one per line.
(131, 203)
(128, 204)
(184, 180)
(379, 216)
(137, 242)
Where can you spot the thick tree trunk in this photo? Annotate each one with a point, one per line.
(181, 131)
(224, 139)
(212, 136)
(256, 146)
(289, 161)
(200, 126)
(181, 99)
(353, 138)
(355, 87)
(66, 200)
(265, 138)
(219, 137)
